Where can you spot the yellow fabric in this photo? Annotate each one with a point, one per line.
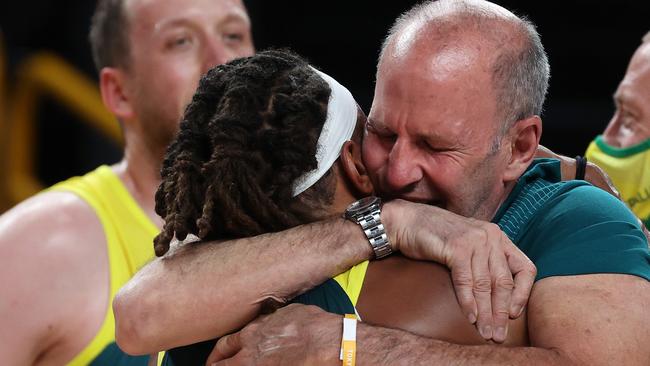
(629, 169)
(352, 280)
(129, 234)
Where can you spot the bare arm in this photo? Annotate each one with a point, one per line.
(49, 266)
(614, 331)
(593, 174)
(204, 291)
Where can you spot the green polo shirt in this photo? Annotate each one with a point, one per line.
(571, 228)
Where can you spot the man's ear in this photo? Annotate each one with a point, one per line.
(525, 135)
(112, 83)
(354, 171)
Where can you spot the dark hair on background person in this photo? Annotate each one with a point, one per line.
(251, 129)
(108, 36)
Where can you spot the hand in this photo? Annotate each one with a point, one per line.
(293, 335)
(491, 276)
(597, 177)
(593, 174)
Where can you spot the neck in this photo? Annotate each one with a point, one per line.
(140, 174)
(491, 211)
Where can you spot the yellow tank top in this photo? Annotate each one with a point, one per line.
(129, 234)
(351, 281)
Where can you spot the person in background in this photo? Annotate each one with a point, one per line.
(68, 250)
(623, 150)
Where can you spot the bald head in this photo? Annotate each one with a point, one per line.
(472, 33)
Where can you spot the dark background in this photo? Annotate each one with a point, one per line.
(589, 45)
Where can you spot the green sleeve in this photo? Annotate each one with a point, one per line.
(585, 231)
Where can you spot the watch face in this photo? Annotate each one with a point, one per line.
(361, 205)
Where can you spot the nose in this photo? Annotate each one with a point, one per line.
(214, 53)
(404, 169)
(612, 133)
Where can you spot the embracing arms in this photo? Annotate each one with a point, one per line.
(204, 291)
(588, 308)
(574, 320)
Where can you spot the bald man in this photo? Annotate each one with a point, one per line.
(454, 124)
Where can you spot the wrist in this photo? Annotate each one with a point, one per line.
(391, 212)
(352, 238)
(367, 213)
(325, 344)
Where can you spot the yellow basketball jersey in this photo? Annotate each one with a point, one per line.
(129, 235)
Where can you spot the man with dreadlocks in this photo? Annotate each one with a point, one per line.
(68, 250)
(454, 123)
(235, 171)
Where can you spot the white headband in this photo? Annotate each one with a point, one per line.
(338, 128)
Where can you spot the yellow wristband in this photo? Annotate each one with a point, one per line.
(349, 340)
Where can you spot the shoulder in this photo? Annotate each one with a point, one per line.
(584, 230)
(577, 205)
(49, 218)
(54, 256)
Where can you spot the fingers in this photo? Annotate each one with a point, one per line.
(461, 276)
(227, 346)
(502, 287)
(524, 272)
(482, 290)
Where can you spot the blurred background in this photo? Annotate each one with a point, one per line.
(52, 124)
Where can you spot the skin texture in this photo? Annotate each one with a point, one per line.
(147, 308)
(615, 328)
(418, 146)
(47, 319)
(418, 297)
(630, 124)
(148, 312)
(431, 155)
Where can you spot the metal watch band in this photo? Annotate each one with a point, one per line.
(375, 232)
(366, 212)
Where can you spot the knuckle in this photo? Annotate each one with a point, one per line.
(501, 315)
(482, 285)
(462, 279)
(506, 283)
(481, 236)
(492, 228)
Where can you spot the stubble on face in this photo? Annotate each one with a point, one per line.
(453, 99)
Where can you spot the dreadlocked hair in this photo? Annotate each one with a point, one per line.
(249, 132)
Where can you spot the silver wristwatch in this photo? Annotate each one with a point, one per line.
(365, 212)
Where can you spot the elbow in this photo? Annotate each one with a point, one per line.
(134, 332)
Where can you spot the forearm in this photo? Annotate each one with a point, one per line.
(384, 346)
(204, 291)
